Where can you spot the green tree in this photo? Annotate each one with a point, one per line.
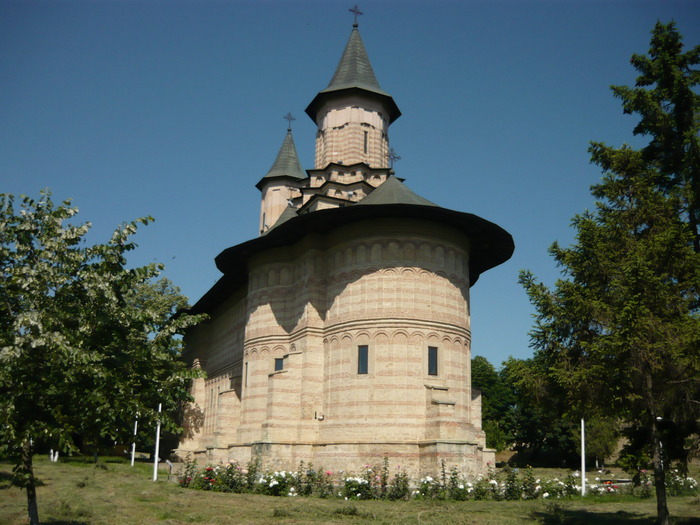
(620, 333)
(496, 403)
(85, 342)
(665, 99)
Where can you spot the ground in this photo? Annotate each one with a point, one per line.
(76, 492)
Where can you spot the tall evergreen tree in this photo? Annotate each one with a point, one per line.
(621, 331)
(666, 100)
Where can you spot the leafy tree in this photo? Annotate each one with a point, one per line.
(85, 342)
(496, 402)
(621, 332)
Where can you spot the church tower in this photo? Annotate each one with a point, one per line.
(280, 185)
(353, 113)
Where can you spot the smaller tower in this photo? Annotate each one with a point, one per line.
(280, 186)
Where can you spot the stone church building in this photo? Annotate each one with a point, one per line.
(341, 334)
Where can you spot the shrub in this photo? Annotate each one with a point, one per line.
(400, 486)
(680, 485)
(357, 488)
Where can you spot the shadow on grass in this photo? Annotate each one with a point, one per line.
(5, 480)
(557, 515)
(64, 522)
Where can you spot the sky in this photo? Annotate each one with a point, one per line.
(174, 109)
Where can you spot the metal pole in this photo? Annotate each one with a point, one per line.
(155, 459)
(133, 445)
(583, 458)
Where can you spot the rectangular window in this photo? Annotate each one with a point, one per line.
(362, 351)
(432, 360)
(365, 139)
(279, 364)
(245, 375)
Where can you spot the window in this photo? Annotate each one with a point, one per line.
(245, 378)
(279, 364)
(362, 367)
(365, 141)
(432, 360)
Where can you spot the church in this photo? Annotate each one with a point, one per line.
(341, 334)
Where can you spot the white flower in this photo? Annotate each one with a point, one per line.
(461, 487)
(545, 495)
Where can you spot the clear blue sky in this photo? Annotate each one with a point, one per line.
(174, 109)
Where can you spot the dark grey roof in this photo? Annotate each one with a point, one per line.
(393, 191)
(287, 162)
(288, 213)
(354, 73)
(354, 68)
(489, 244)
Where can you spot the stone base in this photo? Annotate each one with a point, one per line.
(418, 459)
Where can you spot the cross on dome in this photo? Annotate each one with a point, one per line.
(356, 11)
(288, 117)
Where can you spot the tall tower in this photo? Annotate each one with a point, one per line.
(353, 113)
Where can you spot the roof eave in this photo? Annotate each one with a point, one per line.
(491, 245)
(316, 104)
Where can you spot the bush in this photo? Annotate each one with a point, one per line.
(377, 483)
(680, 485)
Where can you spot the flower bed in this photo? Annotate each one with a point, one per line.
(380, 482)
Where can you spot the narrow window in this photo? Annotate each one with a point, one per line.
(365, 141)
(362, 359)
(432, 360)
(245, 378)
(279, 364)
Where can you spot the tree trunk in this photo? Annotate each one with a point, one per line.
(30, 483)
(663, 517)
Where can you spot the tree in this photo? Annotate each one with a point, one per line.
(496, 403)
(620, 333)
(668, 115)
(85, 342)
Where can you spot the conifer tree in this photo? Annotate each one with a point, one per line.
(621, 330)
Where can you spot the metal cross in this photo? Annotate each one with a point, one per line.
(288, 117)
(356, 11)
(392, 157)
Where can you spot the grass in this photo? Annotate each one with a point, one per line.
(75, 492)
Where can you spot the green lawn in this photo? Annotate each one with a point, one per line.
(78, 493)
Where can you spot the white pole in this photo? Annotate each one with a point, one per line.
(583, 458)
(133, 445)
(155, 460)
